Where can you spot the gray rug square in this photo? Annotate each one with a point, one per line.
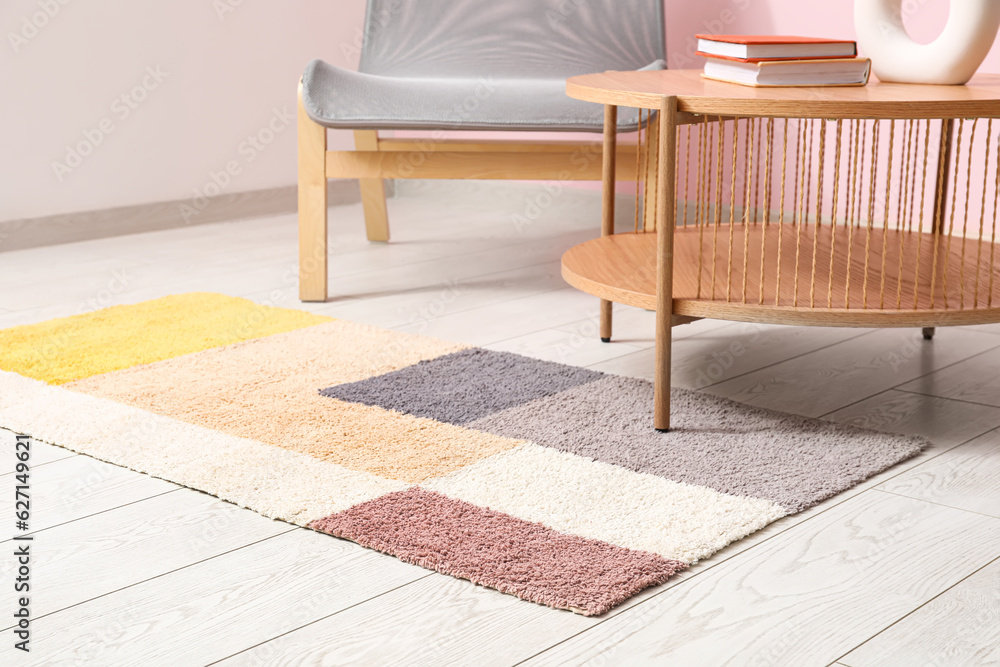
(464, 386)
(727, 446)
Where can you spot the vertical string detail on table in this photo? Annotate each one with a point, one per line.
(809, 167)
(756, 180)
(654, 148)
(860, 134)
(645, 169)
(687, 170)
(993, 237)
(920, 223)
(800, 205)
(750, 178)
(781, 208)
(885, 221)
(873, 175)
(767, 206)
(819, 212)
(965, 218)
(982, 208)
(904, 175)
(677, 178)
(904, 192)
(861, 169)
(951, 221)
(939, 202)
(836, 195)
(732, 210)
(913, 181)
(699, 218)
(639, 173)
(717, 215)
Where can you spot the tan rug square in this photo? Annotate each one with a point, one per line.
(267, 390)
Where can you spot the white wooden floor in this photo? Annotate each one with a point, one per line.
(129, 570)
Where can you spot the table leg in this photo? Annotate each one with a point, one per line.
(665, 224)
(941, 192)
(608, 199)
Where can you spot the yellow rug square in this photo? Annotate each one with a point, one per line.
(88, 344)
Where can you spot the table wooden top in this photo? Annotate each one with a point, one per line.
(695, 94)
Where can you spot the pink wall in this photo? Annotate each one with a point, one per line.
(924, 19)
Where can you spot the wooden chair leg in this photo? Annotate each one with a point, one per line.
(609, 149)
(312, 207)
(928, 333)
(665, 261)
(372, 191)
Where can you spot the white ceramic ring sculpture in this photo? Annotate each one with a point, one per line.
(950, 59)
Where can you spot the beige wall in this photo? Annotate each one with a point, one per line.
(205, 83)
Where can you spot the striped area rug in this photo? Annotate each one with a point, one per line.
(538, 479)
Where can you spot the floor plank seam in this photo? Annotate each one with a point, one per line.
(104, 511)
(946, 366)
(897, 387)
(434, 260)
(318, 620)
(35, 466)
(947, 398)
(853, 403)
(792, 358)
(532, 331)
(755, 370)
(931, 502)
(162, 574)
(943, 451)
(633, 346)
(342, 300)
(988, 331)
(913, 611)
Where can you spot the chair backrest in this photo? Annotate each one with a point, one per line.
(510, 38)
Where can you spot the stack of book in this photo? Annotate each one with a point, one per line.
(770, 60)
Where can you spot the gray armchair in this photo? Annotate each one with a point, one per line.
(446, 65)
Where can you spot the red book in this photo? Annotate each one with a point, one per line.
(755, 48)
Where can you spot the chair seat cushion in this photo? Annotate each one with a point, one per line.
(341, 98)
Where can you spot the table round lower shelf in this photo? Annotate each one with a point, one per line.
(873, 206)
(930, 287)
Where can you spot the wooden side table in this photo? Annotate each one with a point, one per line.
(869, 206)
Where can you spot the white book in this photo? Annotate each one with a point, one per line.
(835, 72)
